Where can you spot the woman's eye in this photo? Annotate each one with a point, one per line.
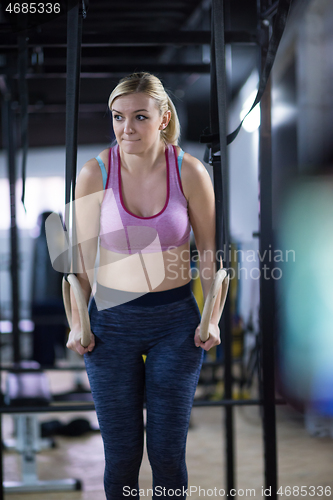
(141, 117)
(116, 117)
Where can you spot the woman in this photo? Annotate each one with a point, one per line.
(141, 198)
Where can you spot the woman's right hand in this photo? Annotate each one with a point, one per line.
(74, 342)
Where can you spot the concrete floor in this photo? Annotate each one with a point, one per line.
(302, 460)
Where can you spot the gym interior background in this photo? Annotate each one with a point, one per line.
(302, 168)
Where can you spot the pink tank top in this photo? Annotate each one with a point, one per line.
(125, 233)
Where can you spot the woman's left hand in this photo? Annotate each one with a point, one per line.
(213, 339)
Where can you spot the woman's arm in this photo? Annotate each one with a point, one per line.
(198, 190)
(88, 197)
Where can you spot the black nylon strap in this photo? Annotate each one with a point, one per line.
(278, 29)
(219, 123)
(74, 38)
(23, 89)
(214, 113)
(213, 105)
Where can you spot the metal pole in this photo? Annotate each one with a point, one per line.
(8, 128)
(267, 291)
(220, 165)
(74, 37)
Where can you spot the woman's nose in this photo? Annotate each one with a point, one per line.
(128, 129)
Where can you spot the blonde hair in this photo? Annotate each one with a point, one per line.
(152, 86)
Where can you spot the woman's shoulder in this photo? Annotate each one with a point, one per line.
(194, 174)
(191, 164)
(104, 156)
(90, 178)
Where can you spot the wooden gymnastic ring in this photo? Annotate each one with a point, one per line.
(73, 282)
(221, 280)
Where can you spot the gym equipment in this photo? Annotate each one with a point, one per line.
(73, 282)
(47, 310)
(25, 389)
(74, 38)
(221, 282)
(218, 140)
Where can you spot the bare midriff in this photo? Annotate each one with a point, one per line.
(145, 272)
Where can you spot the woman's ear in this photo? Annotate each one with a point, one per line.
(165, 120)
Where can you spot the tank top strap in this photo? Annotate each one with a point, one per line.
(103, 170)
(112, 180)
(174, 163)
(180, 160)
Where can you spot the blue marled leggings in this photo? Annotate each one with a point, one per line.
(118, 377)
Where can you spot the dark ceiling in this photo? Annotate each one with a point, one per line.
(170, 39)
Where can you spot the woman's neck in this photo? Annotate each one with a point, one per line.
(145, 162)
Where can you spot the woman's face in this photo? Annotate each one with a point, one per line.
(137, 122)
